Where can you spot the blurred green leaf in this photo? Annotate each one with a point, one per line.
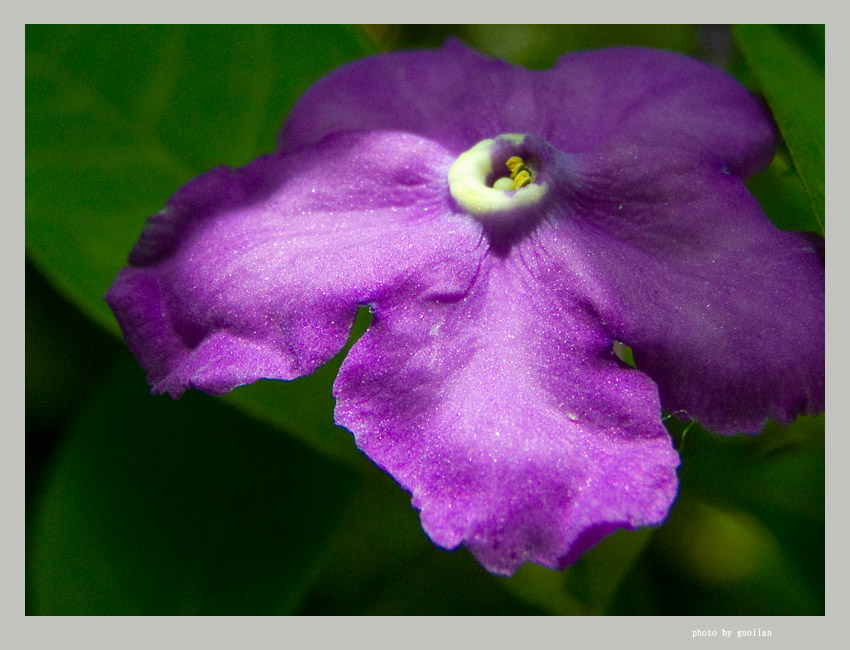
(783, 196)
(381, 562)
(588, 587)
(118, 117)
(539, 46)
(727, 561)
(161, 507)
(58, 375)
(305, 407)
(746, 535)
(793, 85)
(810, 39)
(535, 46)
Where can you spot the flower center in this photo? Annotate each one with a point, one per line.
(481, 191)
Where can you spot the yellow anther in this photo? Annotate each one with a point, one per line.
(515, 165)
(519, 172)
(522, 179)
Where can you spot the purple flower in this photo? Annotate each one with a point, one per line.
(487, 383)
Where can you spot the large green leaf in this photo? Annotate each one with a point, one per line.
(161, 507)
(118, 117)
(790, 74)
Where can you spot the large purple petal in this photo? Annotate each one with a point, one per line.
(257, 272)
(587, 102)
(509, 419)
(723, 310)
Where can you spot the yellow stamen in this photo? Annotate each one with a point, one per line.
(522, 179)
(519, 172)
(515, 165)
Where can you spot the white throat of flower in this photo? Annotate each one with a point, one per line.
(469, 174)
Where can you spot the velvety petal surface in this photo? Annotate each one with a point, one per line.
(509, 419)
(587, 102)
(724, 311)
(258, 271)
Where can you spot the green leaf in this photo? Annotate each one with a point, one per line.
(162, 507)
(118, 117)
(789, 75)
(783, 196)
(746, 534)
(589, 586)
(539, 46)
(382, 563)
(535, 46)
(726, 561)
(305, 407)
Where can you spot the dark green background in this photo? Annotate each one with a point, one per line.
(256, 503)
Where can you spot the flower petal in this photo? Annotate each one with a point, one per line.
(587, 102)
(629, 96)
(454, 96)
(724, 311)
(257, 272)
(509, 419)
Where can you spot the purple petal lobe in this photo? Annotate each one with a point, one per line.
(587, 102)
(509, 419)
(721, 309)
(633, 96)
(257, 272)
